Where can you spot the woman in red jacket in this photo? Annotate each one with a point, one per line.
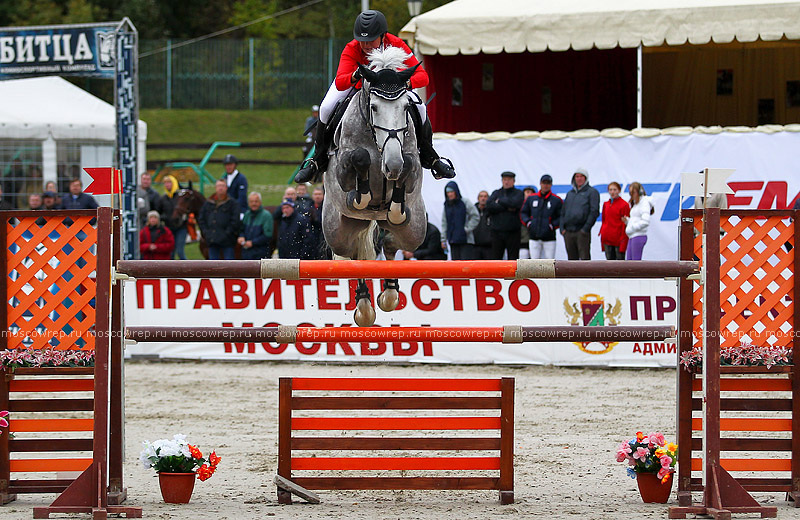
(371, 32)
(155, 240)
(612, 231)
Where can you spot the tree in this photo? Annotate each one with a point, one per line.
(331, 18)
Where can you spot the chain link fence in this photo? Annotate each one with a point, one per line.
(237, 74)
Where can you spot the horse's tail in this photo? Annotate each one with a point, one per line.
(366, 242)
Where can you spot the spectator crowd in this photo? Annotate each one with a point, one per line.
(507, 223)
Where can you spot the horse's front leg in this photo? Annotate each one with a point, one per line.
(398, 213)
(364, 314)
(358, 163)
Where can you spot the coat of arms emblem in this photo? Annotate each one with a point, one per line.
(593, 312)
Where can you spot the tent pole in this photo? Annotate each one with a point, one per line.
(639, 86)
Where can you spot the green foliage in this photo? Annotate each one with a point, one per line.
(156, 19)
(206, 126)
(47, 12)
(176, 464)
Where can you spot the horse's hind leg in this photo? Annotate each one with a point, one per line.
(389, 297)
(364, 314)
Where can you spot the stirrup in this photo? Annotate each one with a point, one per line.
(442, 168)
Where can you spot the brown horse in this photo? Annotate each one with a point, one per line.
(188, 203)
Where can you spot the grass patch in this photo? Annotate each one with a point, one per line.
(206, 126)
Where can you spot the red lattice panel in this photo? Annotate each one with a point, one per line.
(756, 280)
(50, 264)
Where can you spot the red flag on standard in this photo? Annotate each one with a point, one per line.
(102, 179)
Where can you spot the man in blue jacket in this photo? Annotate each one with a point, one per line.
(256, 230)
(220, 223)
(579, 214)
(237, 182)
(503, 206)
(76, 199)
(294, 236)
(541, 214)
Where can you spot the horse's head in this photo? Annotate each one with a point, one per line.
(385, 106)
(187, 201)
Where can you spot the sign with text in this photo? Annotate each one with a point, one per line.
(58, 50)
(423, 302)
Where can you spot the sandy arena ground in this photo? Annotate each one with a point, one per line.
(568, 424)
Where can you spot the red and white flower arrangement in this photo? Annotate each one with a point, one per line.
(46, 357)
(745, 354)
(178, 456)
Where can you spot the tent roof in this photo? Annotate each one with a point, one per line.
(36, 108)
(474, 26)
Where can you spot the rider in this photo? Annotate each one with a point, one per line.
(371, 32)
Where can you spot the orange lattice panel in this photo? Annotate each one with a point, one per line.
(50, 264)
(756, 280)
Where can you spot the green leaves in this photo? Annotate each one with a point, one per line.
(176, 464)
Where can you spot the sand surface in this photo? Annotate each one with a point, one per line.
(568, 424)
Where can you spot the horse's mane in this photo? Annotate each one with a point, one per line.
(392, 58)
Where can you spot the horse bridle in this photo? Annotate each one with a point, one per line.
(391, 132)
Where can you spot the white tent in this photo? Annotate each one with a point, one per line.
(51, 109)
(474, 26)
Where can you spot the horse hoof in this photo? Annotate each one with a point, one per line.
(364, 314)
(388, 300)
(358, 201)
(396, 214)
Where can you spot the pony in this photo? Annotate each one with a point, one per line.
(374, 177)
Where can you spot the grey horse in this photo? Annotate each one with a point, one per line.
(374, 177)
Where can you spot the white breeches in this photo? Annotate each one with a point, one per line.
(334, 95)
(542, 249)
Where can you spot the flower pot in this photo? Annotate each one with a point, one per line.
(651, 488)
(176, 488)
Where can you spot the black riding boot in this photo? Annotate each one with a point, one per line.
(440, 167)
(317, 165)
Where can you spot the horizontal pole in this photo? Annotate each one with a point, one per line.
(292, 334)
(471, 269)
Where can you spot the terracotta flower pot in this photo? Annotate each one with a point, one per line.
(176, 488)
(651, 488)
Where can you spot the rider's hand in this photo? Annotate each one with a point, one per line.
(356, 76)
(241, 241)
(408, 85)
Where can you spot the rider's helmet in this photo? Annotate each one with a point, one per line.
(229, 159)
(370, 25)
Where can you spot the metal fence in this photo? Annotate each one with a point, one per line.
(236, 74)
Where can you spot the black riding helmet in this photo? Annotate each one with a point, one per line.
(369, 25)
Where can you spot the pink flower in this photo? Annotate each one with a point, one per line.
(641, 453)
(3, 420)
(666, 461)
(663, 472)
(621, 455)
(657, 438)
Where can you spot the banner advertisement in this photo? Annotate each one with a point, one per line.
(57, 50)
(767, 174)
(423, 302)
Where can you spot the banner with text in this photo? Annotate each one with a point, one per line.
(423, 302)
(57, 51)
(767, 173)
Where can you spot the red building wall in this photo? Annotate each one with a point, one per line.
(587, 89)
